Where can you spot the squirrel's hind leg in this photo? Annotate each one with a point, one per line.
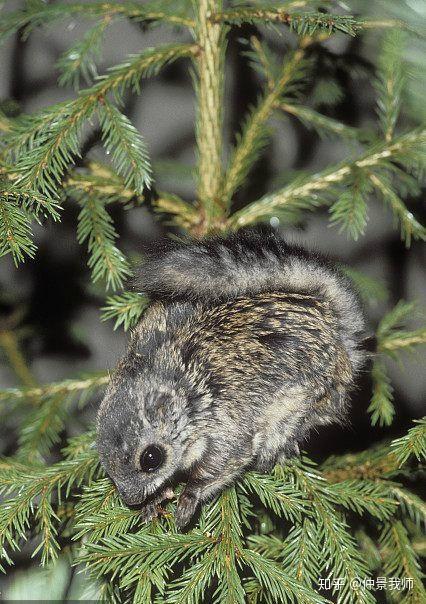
(290, 451)
(265, 463)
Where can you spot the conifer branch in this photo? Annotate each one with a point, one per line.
(276, 495)
(381, 407)
(44, 145)
(264, 61)
(79, 60)
(402, 340)
(324, 125)
(392, 338)
(385, 24)
(350, 209)
(15, 230)
(409, 225)
(127, 148)
(365, 496)
(105, 260)
(144, 65)
(178, 211)
(298, 551)
(10, 345)
(390, 82)
(315, 190)
(126, 309)
(195, 580)
(301, 553)
(304, 24)
(380, 462)
(254, 135)
(34, 487)
(343, 558)
(137, 553)
(413, 443)
(270, 538)
(410, 504)
(43, 426)
(48, 409)
(280, 586)
(37, 205)
(369, 549)
(371, 464)
(109, 534)
(65, 387)
(99, 180)
(401, 561)
(36, 14)
(393, 320)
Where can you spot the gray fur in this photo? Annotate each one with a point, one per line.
(248, 344)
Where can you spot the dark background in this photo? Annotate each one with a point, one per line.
(62, 334)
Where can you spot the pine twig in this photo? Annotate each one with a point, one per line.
(15, 229)
(302, 23)
(34, 487)
(125, 308)
(4, 123)
(64, 387)
(9, 343)
(412, 444)
(254, 135)
(47, 410)
(307, 192)
(44, 145)
(127, 147)
(379, 462)
(95, 227)
(390, 82)
(79, 60)
(401, 561)
(99, 180)
(36, 14)
(321, 123)
(381, 407)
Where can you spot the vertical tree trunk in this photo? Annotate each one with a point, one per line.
(211, 39)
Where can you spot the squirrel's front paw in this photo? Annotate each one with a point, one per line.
(153, 509)
(186, 507)
(149, 512)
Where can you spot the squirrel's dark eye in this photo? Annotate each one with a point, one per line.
(151, 459)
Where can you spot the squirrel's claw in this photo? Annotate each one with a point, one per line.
(187, 504)
(149, 512)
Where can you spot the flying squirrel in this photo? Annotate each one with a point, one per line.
(247, 343)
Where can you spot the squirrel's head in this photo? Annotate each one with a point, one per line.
(145, 434)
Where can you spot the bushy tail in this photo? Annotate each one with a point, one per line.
(248, 262)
